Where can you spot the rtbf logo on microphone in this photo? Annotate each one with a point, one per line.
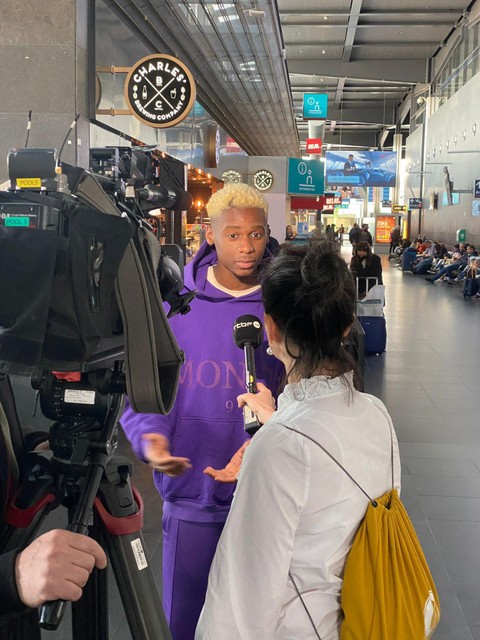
(256, 323)
(248, 330)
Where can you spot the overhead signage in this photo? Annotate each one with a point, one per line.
(263, 179)
(159, 90)
(306, 177)
(386, 203)
(399, 208)
(455, 198)
(332, 200)
(476, 189)
(361, 168)
(415, 203)
(315, 106)
(313, 146)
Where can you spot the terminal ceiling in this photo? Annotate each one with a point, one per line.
(254, 59)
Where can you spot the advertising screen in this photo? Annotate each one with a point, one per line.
(383, 226)
(361, 168)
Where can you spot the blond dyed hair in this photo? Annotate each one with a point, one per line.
(235, 196)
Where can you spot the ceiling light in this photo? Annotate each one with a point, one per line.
(325, 17)
(323, 51)
(255, 13)
(299, 33)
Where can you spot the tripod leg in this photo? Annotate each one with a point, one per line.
(90, 613)
(121, 512)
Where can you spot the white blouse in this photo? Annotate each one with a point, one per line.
(295, 510)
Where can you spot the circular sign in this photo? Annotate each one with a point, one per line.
(262, 179)
(159, 90)
(231, 176)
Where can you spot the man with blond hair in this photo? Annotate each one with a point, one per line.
(205, 430)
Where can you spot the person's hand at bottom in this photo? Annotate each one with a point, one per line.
(56, 566)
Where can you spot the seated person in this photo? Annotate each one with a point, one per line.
(440, 252)
(424, 260)
(471, 265)
(450, 269)
(365, 264)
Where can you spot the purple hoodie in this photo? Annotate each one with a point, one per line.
(205, 423)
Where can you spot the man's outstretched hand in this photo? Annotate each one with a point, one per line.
(157, 452)
(231, 471)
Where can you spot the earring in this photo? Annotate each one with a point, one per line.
(269, 350)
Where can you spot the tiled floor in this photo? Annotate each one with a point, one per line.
(429, 380)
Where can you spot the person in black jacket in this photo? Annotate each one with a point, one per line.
(56, 565)
(365, 264)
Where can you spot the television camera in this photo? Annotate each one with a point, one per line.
(82, 285)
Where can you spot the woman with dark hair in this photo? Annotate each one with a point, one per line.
(289, 235)
(295, 512)
(365, 264)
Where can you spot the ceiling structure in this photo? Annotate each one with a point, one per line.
(254, 59)
(367, 55)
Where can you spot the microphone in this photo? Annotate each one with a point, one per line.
(248, 335)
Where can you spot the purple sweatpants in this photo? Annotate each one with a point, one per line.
(188, 550)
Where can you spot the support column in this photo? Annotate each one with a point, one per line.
(316, 129)
(45, 48)
(397, 147)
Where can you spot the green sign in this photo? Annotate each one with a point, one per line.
(17, 221)
(315, 106)
(306, 177)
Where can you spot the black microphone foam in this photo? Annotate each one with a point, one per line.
(247, 330)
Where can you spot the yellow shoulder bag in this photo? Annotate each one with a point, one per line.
(388, 592)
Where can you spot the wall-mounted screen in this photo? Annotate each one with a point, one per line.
(361, 168)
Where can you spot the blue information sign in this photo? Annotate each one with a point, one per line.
(315, 106)
(306, 177)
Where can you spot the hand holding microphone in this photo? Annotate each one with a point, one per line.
(261, 403)
(248, 335)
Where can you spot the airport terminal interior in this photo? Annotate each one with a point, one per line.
(340, 112)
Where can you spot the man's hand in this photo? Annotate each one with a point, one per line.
(157, 453)
(262, 403)
(231, 471)
(56, 566)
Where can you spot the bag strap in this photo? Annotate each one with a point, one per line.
(371, 500)
(304, 605)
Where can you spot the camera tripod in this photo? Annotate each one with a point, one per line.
(82, 472)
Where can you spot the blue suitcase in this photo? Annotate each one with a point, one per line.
(470, 288)
(408, 259)
(374, 326)
(375, 333)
